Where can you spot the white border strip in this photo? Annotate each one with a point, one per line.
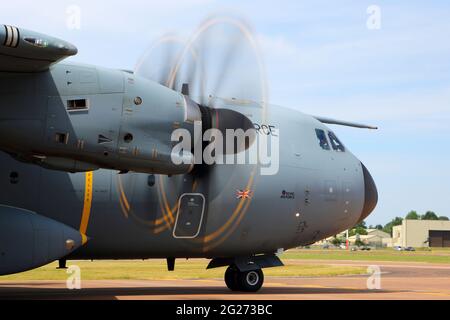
(12, 37)
(15, 41)
(8, 36)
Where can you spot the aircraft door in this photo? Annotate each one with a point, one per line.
(191, 208)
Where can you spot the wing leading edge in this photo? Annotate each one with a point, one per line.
(23, 50)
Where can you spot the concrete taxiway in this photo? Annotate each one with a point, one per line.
(398, 281)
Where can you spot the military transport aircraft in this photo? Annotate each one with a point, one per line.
(88, 172)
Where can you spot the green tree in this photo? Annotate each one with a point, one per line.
(444, 218)
(360, 229)
(379, 227)
(430, 215)
(361, 225)
(412, 215)
(336, 241)
(395, 222)
(359, 243)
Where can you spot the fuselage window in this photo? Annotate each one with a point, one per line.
(323, 141)
(335, 143)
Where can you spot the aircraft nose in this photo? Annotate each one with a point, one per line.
(370, 194)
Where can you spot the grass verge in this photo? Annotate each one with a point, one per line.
(391, 255)
(157, 270)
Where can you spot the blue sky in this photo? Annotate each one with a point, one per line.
(321, 59)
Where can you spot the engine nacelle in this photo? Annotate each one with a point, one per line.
(80, 118)
(28, 240)
(28, 51)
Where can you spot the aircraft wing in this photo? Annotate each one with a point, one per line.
(345, 123)
(28, 51)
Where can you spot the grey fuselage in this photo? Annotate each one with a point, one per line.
(316, 193)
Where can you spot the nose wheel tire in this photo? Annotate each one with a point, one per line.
(231, 279)
(247, 281)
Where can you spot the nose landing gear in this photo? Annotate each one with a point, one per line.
(244, 273)
(245, 281)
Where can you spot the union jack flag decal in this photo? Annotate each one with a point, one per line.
(244, 194)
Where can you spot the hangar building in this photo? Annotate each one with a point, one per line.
(422, 234)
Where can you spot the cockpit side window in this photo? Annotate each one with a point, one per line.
(323, 141)
(335, 143)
